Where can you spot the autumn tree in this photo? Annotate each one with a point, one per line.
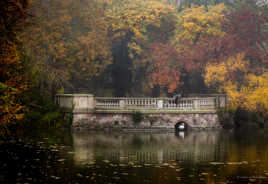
(68, 42)
(13, 81)
(164, 69)
(197, 27)
(133, 26)
(244, 89)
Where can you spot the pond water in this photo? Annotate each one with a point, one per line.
(135, 158)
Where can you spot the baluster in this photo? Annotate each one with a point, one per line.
(190, 104)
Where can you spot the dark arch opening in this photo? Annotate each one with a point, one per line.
(181, 126)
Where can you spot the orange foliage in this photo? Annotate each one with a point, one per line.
(165, 69)
(12, 78)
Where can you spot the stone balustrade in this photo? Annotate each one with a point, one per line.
(87, 103)
(89, 112)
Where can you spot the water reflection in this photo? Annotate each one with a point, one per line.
(148, 147)
(95, 157)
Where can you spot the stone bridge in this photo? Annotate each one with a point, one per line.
(90, 112)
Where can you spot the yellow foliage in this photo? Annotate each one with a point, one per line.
(196, 22)
(132, 17)
(12, 84)
(243, 89)
(72, 36)
(219, 73)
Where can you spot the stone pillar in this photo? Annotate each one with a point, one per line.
(122, 104)
(65, 101)
(83, 102)
(160, 104)
(196, 104)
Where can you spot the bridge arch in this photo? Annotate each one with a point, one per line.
(181, 126)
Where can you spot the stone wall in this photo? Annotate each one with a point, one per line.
(157, 121)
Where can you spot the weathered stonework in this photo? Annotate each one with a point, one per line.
(89, 112)
(121, 121)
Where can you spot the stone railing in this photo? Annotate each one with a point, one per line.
(87, 102)
(156, 103)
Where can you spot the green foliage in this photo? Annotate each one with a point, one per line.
(238, 118)
(137, 117)
(226, 116)
(43, 114)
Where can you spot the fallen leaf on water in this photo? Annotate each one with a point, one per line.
(234, 163)
(252, 180)
(216, 163)
(61, 160)
(55, 177)
(79, 175)
(165, 164)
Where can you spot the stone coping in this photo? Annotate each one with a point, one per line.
(156, 111)
(76, 95)
(130, 111)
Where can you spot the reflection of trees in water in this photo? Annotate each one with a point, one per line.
(137, 142)
(202, 146)
(147, 147)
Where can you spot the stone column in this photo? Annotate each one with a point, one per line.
(122, 104)
(83, 102)
(196, 104)
(160, 104)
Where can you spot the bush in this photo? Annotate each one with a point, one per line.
(137, 117)
(226, 117)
